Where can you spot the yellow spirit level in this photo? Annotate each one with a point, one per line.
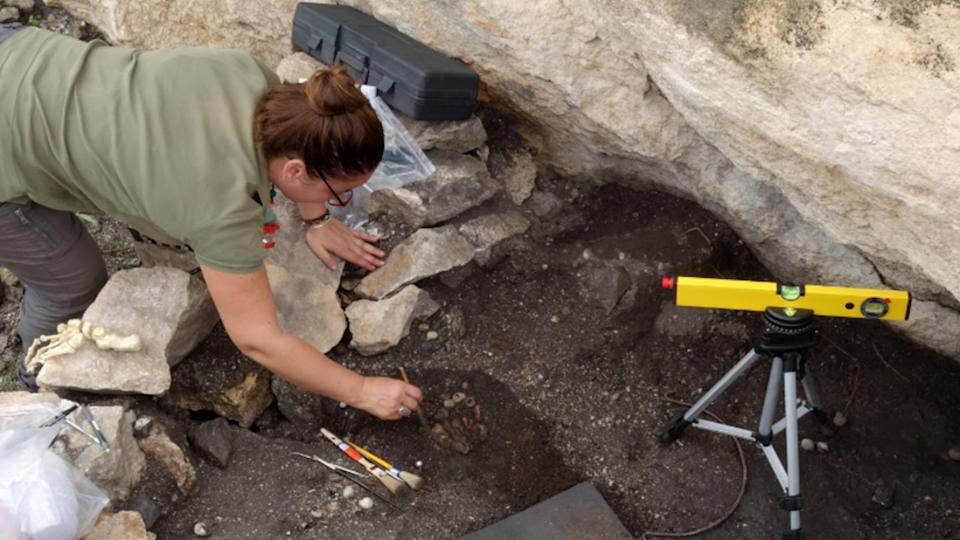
(821, 300)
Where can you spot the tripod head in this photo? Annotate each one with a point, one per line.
(788, 330)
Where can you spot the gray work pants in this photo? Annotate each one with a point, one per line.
(56, 259)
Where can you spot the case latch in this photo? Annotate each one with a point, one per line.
(356, 62)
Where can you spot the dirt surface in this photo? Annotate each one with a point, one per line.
(570, 392)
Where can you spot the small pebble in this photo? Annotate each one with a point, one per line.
(141, 427)
(419, 464)
(200, 529)
(470, 402)
(448, 403)
(343, 405)
(883, 496)
(465, 385)
(432, 335)
(839, 419)
(366, 503)
(458, 397)
(823, 447)
(348, 492)
(424, 327)
(544, 266)
(954, 453)
(807, 444)
(317, 514)
(554, 319)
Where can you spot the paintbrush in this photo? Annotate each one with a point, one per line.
(411, 479)
(395, 486)
(423, 421)
(342, 472)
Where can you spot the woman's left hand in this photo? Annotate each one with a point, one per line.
(335, 238)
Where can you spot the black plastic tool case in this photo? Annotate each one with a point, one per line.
(411, 77)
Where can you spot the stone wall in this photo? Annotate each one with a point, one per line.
(826, 133)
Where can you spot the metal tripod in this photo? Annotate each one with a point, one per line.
(788, 336)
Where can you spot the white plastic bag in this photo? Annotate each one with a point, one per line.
(403, 162)
(42, 497)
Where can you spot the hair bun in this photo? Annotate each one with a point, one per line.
(331, 92)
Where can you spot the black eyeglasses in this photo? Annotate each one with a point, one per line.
(336, 200)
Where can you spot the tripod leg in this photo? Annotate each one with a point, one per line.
(764, 436)
(690, 415)
(792, 502)
(813, 395)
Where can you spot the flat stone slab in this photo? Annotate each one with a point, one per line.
(425, 253)
(579, 513)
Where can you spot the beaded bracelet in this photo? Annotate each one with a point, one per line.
(317, 222)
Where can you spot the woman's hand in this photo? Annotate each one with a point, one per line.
(335, 238)
(383, 397)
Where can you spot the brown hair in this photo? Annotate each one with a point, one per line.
(326, 121)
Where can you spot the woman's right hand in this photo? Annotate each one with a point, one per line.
(383, 397)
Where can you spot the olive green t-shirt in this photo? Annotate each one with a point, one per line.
(162, 140)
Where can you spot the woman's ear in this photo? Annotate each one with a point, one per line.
(295, 170)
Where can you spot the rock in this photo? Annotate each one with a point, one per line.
(8, 278)
(460, 182)
(808, 444)
(366, 503)
(839, 419)
(348, 492)
(425, 253)
(9, 14)
(823, 447)
(954, 453)
(297, 66)
(455, 321)
(213, 440)
(432, 335)
(453, 136)
(141, 427)
(304, 289)
(149, 510)
(603, 284)
(169, 309)
(116, 472)
(25, 6)
(299, 406)
(125, 525)
(154, 255)
(219, 378)
(160, 447)
(378, 325)
(518, 173)
(200, 529)
(307, 309)
(544, 204)
(884, 496)
(487, 231)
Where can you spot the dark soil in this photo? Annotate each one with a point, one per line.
(582, 398)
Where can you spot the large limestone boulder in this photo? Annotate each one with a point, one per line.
(168, 308)
(826, 133)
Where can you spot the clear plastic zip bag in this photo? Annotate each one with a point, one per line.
(403, 162)
(42, 497)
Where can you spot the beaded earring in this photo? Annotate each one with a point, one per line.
(270, 225)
